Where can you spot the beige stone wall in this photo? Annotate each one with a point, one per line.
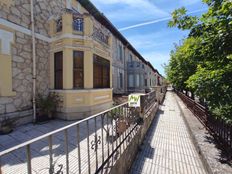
(22, 74)
(18, 12)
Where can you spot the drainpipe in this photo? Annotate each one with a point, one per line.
(125, 70)
(33, 60)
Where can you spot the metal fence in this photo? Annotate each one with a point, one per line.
(220, 129)
(147, 101)
(91, 145)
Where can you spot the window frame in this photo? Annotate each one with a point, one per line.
(101, 72)
(120, 80)
(131, 81)
(78, 68)
(60, 70)
(59, 25)
(78, 24)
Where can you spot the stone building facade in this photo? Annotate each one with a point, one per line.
(119, 73)
(16, 75)
(74, 31)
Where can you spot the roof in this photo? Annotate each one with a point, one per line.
(100, 17)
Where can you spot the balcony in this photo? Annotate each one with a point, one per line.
(136, 66)
(70, 22)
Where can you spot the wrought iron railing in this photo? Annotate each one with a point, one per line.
(220, 129)
(147, 101)
(91, 145)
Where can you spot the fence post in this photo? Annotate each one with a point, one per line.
(194, 106)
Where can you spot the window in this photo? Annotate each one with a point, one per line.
(138, 64)
(145, 82)
(130, 58)
(120, 80)
(142, 80)
(150, 82)
(137, 80)
(59, 25)
(101, 72)
(77, 23)
(58, 63)
(131, 80)
(78, 69)
(120, 52)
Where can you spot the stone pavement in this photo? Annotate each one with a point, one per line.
(167, 147)
(16, 162)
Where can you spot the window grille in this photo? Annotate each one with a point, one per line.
(59, 25)
(77, 24)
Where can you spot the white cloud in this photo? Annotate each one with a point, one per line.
(130, 10)
(156, 21)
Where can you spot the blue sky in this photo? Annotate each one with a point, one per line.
(153, 41)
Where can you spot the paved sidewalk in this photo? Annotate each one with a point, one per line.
(167, 147)
(15, 162)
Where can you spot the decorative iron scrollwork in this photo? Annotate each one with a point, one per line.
(100, 35)
(95, 142)
(59, 25)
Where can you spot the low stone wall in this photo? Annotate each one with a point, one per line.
(127, 158)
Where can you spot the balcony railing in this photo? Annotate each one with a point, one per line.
(91, 145)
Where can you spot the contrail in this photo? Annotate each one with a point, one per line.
(156, 21)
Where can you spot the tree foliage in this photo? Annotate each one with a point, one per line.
(202, 63)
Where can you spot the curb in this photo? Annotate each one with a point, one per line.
(193, 139)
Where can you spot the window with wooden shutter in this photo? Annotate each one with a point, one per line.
(58, 58)
(78, 69)
(101, 72)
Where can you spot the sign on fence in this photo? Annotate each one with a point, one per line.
(134, 100)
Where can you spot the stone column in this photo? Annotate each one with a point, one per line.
(52, 27)
(88, 69)
(67, 20)
(68, 68)
(88, 26)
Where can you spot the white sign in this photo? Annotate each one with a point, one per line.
(134, 100)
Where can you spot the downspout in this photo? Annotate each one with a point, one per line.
(124, 56)
(33, 61)
(125, 70)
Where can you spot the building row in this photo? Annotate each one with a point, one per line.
(68, 47)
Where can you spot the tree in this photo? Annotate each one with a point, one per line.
(208, 52)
